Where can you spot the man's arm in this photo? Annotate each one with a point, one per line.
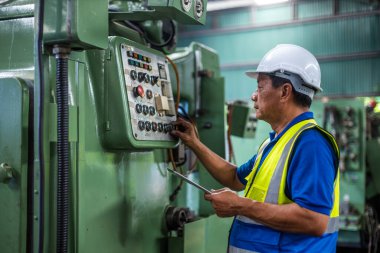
(219, 168)
(287, 218)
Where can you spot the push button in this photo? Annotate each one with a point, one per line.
(138, 91)
(154, 126)
(138, 108)
(145, 109)
(148, 126)
(160, 127)
(141, 125)
(152, 110)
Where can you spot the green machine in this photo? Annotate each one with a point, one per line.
(89, 90)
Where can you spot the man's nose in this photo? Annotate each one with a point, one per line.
(254, 96)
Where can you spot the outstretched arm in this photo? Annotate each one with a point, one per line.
(219, 168)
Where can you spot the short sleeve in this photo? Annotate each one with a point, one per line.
(311, 172)
(244, 170)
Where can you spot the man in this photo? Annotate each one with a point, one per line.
(291, 198)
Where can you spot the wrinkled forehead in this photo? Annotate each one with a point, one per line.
(262, 77)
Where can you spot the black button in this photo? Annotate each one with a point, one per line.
(154, 126)
(145, 109)
(138, 108)
(141, 125)
(149, 94)
(148, 126)
(160, 127)
(152, 110)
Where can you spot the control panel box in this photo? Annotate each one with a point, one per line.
(243, 121)
(139, 103)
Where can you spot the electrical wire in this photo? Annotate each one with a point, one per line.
(165, 43)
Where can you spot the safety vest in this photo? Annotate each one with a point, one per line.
(268, 183)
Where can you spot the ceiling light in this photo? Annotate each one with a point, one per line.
(268, 2)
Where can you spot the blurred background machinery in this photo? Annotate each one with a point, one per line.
(90, 88)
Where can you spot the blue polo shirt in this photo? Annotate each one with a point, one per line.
(310, 184)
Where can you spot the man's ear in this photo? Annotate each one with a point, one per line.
(286, 90)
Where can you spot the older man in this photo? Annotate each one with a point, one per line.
(291, 198)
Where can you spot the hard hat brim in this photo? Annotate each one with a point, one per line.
(252, 74)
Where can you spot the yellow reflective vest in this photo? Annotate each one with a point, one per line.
(268, 183)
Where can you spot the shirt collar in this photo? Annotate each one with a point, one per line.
(299, 118)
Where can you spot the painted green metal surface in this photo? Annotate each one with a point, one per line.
(14, 130)
(213, 228)
(202, 93)
(83, 24)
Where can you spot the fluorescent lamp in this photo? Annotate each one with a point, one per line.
(268, 2)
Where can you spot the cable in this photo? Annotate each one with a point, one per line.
(167, 42)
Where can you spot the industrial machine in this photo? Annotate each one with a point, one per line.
(90, 90)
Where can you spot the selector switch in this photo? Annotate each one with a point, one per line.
(154, 80)
(147, 78)
(133, 74)
(138, 91)
(141, 77)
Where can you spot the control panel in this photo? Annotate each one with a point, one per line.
(143, 97)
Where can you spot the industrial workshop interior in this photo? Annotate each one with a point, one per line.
(91, 91)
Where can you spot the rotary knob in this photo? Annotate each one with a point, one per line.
(133, 74)
(141, 76)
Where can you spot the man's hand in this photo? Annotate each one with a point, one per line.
(185, 131)
(225, 202)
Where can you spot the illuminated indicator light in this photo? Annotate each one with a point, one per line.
(135, 55)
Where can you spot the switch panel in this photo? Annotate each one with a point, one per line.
(142, 99)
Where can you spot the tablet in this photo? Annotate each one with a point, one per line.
(189, 181)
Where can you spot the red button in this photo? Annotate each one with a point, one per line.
(138, 91)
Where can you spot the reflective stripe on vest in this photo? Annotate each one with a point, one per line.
(232, 249)
(269, 185)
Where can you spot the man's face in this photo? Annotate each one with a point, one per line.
(266, 99)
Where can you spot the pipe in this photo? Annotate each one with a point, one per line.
(40, 111)
(61, 55)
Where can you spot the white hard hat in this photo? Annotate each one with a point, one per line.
(291, 59)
